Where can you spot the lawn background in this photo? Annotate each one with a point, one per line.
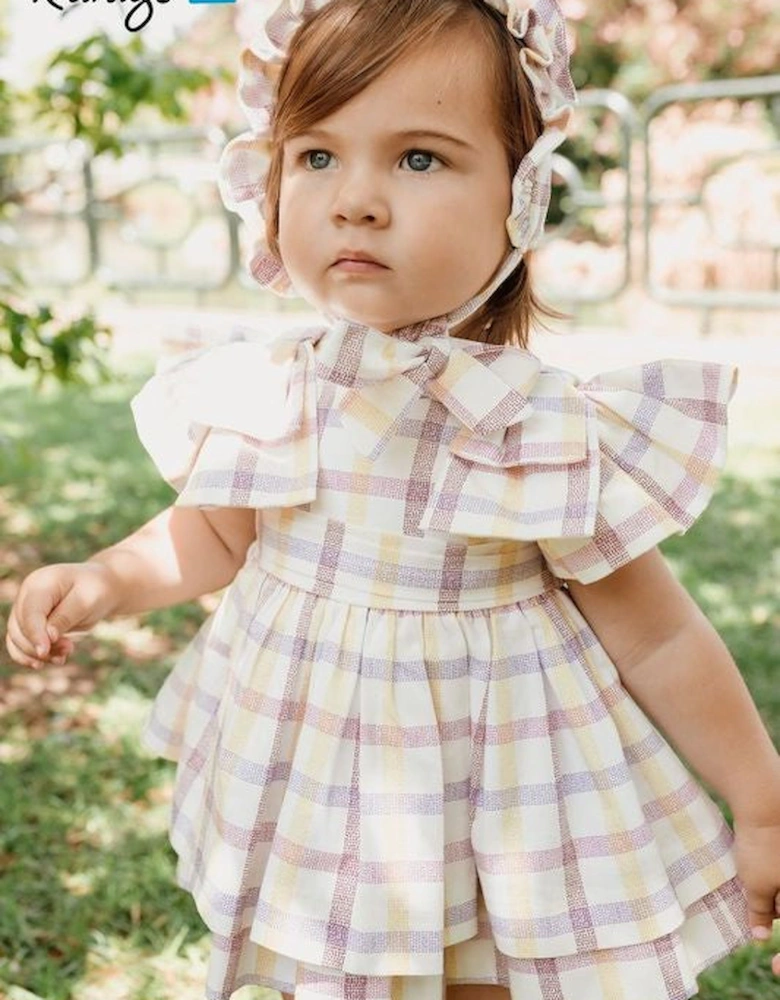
(88, 905)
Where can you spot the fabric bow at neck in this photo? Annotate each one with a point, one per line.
(485, 387)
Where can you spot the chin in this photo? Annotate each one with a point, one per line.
(387, 327)
(381, 323)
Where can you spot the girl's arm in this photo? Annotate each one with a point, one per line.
(182, 553)
(675, 666)
(178, 555)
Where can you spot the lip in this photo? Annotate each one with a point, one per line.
(357, 261)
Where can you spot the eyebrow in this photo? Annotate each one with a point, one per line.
(414, 133)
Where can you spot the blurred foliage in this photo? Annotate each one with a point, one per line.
(6, 108)
(32, 338)
(93, 90)
(635, 46)
(89, 93)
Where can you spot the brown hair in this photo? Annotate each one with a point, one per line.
(345, 46)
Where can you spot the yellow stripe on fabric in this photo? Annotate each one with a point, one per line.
(286, 519)
(358, 500)
(572, 444)
(459, 364)
(397, 918)
(631, 877)
(572, 694)
(370, 416)
(608, 973)
(396, 988)
(392, 716)
(686, 829)
(506, 557)
(504, 707)
(389, 555)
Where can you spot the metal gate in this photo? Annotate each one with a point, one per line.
(693, 217)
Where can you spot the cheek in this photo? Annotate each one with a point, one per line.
(477, 235)
(489, 234)
(498, 204)
(301, 206)
(284, 209)
(291, 218)
(478, 216)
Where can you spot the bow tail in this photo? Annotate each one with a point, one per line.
(373, 413)
(524, 501)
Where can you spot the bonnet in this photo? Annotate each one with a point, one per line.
(540, 31)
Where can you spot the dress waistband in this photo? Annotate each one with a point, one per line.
(391, 570)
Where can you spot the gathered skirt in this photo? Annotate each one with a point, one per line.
(379, 802)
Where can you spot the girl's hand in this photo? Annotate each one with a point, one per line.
(54, 601)
(757, 852)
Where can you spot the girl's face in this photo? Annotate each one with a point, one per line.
(392, 210)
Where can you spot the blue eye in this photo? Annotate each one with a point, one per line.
(419, 161)
(317, 159)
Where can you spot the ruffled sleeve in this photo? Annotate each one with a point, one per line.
(661, 431)
(594, 472)
(235, 425)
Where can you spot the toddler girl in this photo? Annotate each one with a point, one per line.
(414, 742)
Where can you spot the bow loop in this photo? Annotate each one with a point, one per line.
(484, 387)
(479, 395)
(372, 413)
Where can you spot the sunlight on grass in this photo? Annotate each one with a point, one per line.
(136, 640)
(118, 970)
(12, 753)
(760, 614)
(18, 522)
(122, 714)
(11, 992)
(78, 883)
(719, 599)
(77, 490)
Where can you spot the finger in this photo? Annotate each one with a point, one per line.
(17, 636)
(761, 924)
(776, 965)
(33, 613)
(761, 913)
(62, 647)
(66, 616)
(20, 657)
(19, 646)
(60, 651)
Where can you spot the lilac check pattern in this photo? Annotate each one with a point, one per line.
(404, 759)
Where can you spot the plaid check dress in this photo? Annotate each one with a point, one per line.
(404, 759)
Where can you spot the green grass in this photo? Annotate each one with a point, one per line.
(88, 904)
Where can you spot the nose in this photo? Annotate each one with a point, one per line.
(360, 200)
